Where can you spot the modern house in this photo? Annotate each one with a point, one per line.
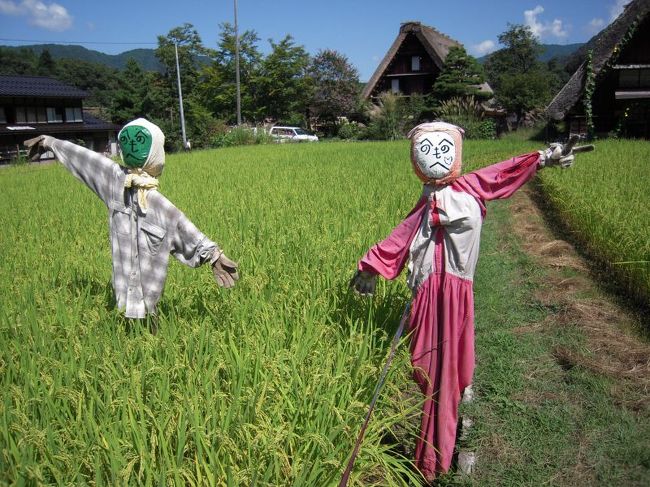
(35, 105)
(620, 70)
(413, 62)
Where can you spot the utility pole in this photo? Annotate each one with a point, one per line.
(237, 68)
(180, 97)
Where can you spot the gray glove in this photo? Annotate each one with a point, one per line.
(562, 155)
(225, 271)
(36, 147)
(364, 283)
(557, 155)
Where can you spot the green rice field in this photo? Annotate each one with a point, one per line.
(604, 202)
(268, 383)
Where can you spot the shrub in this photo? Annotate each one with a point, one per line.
(241, 136)
(349, 130)
(467, 113)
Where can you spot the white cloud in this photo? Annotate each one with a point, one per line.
(51, 17)
(617, 9)
(594, 26)
(546, 29)
(483, 48)
(9, 8)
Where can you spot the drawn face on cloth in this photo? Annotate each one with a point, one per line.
(142, 146)
(436, 152)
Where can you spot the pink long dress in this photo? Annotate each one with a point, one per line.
(440, 240)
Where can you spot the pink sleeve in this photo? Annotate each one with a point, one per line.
(500, 180)
(389, 256)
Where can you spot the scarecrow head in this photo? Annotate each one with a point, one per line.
(142, 144)
(436, 152)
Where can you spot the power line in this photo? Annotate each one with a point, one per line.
(76, 42)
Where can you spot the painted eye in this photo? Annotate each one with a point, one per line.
(444, 149)
(139, 137)
(425, 146)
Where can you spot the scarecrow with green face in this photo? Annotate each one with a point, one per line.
(145, 227)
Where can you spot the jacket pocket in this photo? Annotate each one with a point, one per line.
(153, 236)
(120, 219)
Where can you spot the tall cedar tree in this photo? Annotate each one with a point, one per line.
(461, 76)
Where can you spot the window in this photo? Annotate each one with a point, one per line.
(415, 63)
(41, 116)
(3, 117)
(394, 85)
(54, 115)
(628, 78)
(20, 115)
(73, 114)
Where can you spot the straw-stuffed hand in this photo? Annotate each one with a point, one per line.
(36, 147)
(364, 283)
(225, 271)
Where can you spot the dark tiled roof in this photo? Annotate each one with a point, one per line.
(37, 86)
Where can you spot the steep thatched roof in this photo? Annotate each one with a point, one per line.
(602, 45)
(435, 43)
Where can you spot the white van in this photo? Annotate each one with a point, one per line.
(292, 134)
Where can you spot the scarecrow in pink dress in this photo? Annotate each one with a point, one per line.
(439, 239)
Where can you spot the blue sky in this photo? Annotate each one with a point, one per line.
(361, 30)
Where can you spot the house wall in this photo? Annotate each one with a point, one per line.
(410, 81)
(29, 111)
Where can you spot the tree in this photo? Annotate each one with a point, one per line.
(187, 41)
(218, 88)
(282, 84)
(335, 86)
(128, 100)
(46, 65)
(461, 76)
(17, 61)
(190, 48)
(521, 83)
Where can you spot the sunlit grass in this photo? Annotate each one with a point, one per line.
(605, 203)
(266, 384)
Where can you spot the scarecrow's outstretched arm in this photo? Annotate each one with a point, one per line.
(500, 180)
(94, 170)
(191, 247)
(388, 257)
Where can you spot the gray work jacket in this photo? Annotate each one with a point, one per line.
(141, 243)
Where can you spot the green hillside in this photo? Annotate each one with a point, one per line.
(549, 51)
(144, 57)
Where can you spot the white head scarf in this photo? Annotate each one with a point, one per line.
(144, 165)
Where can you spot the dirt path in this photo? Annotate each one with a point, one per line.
(614, 345)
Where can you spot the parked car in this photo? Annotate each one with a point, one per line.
(292, 134)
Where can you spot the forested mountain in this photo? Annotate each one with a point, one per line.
(549, 51)
(146, 58)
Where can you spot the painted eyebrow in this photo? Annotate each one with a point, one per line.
(445, 140)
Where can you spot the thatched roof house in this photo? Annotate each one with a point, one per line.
(620, 70)
(412, 63)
